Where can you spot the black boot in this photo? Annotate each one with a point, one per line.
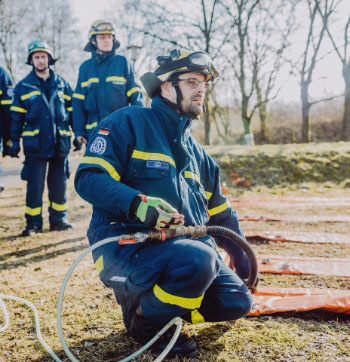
(31, 230)
(60, 225)
(142, 331)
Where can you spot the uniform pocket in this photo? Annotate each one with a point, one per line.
(118, 97)
(64, 140)
(67, 168)
(31, 140)
(151, 169)
(25, 173)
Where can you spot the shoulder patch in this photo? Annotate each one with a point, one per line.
(98, 146)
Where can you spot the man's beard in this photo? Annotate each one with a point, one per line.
(41, 70)
(193, 111)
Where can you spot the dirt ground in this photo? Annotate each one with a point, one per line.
(34, 268)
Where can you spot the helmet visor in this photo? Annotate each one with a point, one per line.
(103, 27)
(201, 59)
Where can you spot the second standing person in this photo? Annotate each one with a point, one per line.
(105, 82)
(41, 115)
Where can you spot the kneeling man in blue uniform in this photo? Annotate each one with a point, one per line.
(142, 169)
(41, 115)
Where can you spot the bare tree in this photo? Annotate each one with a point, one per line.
(164, 26)
(309, 60)
(342, 50)
(50, 20)
(270, 40)
(10, 20)
(240, 14)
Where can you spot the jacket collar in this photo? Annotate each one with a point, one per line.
(33, 79)
(176, 124)
(102, 57)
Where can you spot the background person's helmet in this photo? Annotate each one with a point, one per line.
(176, 63)
(100, 27)
(39, 46)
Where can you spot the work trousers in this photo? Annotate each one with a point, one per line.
(34, 172)
(181, 277)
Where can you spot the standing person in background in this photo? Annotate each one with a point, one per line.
(41, 114)
(6, 93)
(105, 82)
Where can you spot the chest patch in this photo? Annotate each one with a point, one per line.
(160, 165)
(98, 146)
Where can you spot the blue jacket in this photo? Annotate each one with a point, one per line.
(149, 151)
(105, 83)
(44, 125)
(6, 93)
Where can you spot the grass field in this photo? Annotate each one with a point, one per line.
(34, 268)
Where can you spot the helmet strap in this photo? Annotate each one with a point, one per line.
(179, 98)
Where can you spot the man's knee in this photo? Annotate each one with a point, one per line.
(205, 266)
(241, 305)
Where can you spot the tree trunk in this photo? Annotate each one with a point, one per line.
(206, 123)
(346, 116)
(262, 114)
(305, 106)
(244, 115)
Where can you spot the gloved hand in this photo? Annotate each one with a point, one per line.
(77, 145)
(11, 148)
(155, 212)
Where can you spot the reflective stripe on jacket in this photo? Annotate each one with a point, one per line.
(6, 93)
(103, 86)
(150, 151)
(44, 124)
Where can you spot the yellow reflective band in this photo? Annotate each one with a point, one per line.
(69, 109)
(18, 109)
(64, 132)
(1, 92)
(65, 96)
(189, 174)
(99, 264)
(31, 94)
(132, 91)
(89, 81)
(33, 212)
(30, 133)
(104, 164)
(208, 194)
(6, 101)
(165, 76)
(188, 303)
(58, 207)
(152, 157)
(91, 125)
(218, 209)
(79, 96)
(114, 78)
(196, 317)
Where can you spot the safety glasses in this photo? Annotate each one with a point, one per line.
(194, 83)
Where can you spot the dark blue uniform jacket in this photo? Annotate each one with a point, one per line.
(44, 124)
(6, 93)
(105, 84)
(149, 151)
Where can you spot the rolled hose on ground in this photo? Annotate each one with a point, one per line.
(200, 231)
(243, 244)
